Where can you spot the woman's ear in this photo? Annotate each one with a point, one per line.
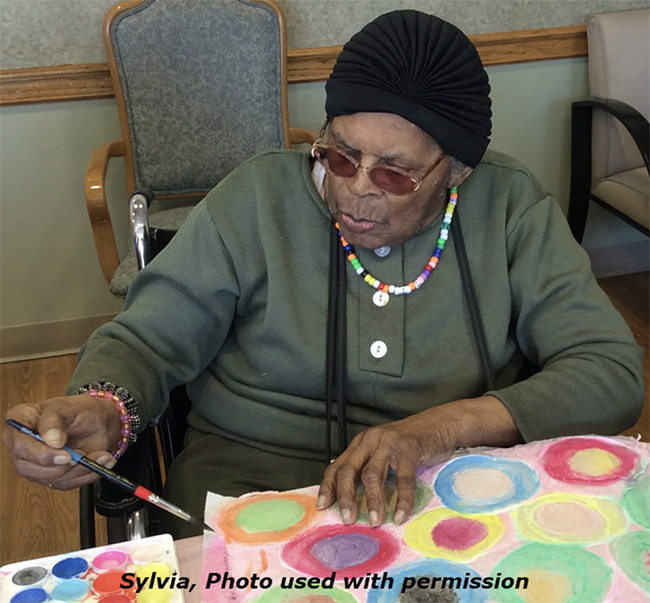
(458, 176)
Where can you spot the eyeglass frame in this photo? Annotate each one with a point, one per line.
(417, 180)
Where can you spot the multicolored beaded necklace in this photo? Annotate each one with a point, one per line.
(428, 269)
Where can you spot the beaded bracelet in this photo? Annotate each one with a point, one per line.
(126, 406)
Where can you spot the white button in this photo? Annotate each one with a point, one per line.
(380, 298)
(378, 349)
(382, 252)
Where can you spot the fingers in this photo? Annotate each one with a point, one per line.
(406, 488)
(367, 461)
(73, 420)
(373, 478)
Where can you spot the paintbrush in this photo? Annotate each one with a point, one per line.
(114, 478)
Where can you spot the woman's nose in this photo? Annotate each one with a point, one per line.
(360, 184)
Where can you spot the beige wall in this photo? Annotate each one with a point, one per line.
(49, 273)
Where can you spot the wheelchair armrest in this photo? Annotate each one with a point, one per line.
(139, 465)
(95, 194)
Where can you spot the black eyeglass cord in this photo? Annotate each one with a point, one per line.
(335, 364)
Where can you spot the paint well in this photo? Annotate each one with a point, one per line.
(147, 553)
(71, 590)
(161, 570)
(154, 595)
(108, 583)
(110, 560)
(114, 598)
(30, 595)
(30, 576)
(71, 567)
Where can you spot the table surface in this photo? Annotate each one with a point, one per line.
(189, 551)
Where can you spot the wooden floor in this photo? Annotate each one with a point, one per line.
(36, 521)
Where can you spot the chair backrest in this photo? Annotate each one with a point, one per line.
(200, 86)
(619, 68)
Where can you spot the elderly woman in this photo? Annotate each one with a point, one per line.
(312, 298)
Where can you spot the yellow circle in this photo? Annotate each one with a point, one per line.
(599, 518)
(161, 570)
(417, 534)
(154, 595)
(594, 462)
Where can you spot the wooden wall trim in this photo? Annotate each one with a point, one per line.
(93, 81)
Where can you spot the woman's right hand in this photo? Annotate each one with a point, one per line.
(82, 422)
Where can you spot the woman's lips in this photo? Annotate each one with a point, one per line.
(357, 226)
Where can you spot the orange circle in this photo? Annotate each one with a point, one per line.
(228, 517)
(109, 583)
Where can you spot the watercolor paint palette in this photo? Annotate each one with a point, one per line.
(564, 520)
(107, 574)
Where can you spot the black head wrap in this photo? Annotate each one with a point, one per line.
(423, 69)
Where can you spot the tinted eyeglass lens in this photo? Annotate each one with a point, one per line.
(391, 181)
(340, 164)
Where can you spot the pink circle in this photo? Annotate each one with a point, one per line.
(110, 560)
(458, 533)
(346, 550)
(558, 455)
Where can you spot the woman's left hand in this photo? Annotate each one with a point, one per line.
(427, 438)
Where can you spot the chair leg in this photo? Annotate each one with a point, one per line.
(87, 516)
(580, 169)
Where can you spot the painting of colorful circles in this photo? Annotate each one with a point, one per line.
(432, 580)
(482, 484)
(570, 574)
(565, 520)
(423, 495)
(589, 461)
(347, 550)
(267, 518)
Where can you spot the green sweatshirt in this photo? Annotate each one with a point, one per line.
(236, 306)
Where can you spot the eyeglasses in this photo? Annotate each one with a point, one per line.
(391, 179)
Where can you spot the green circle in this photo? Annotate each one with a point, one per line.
(635, 502)
(630, 552)
(589, 574)
(272, 515)
(423, 495)
(277, 594)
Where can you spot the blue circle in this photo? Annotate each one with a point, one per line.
(30, 595)
(524, 479)
(431, 568)
(71, 590)
(72, 567)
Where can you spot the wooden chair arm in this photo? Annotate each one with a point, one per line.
(300, 135)
(100, 219)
